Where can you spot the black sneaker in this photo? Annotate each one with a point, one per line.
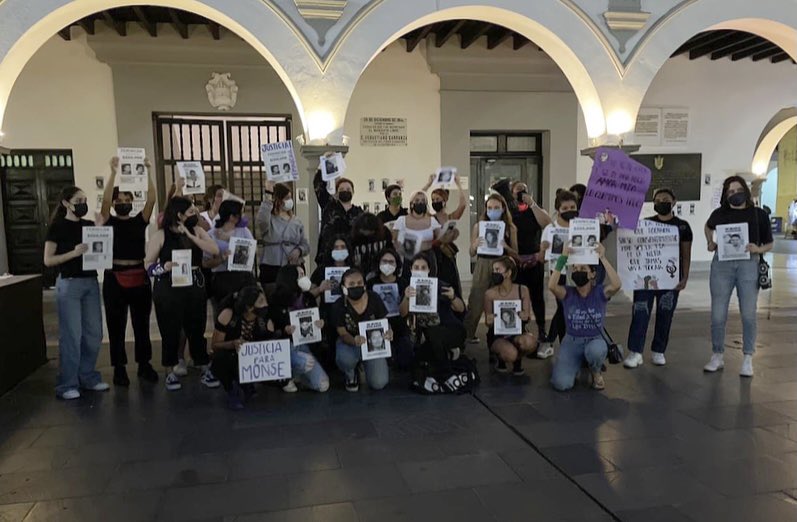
(147, 373)
(500, 366)
(353, 385)
(120, 377)
(517, 367)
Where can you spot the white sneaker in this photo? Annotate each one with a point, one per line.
(181, 370)
(658, 359)
(716, 363)
(70, 395)
(173, 382)
(290, 387)
(633, 360)
(747, 366)
(208, 379)
(99, 387)
(545, 350)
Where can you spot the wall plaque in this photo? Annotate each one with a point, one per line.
(679, 172)
(383, 132)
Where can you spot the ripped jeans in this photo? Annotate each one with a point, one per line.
(666, 301)
(306, 370)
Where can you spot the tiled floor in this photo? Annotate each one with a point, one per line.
(660, 444)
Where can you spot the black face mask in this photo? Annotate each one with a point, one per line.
(123, 209)
(438, 206)
(345, 196)
(81, 209)
(496, 278)
(355, 293)
(419, 208)
(663, 208)
(569, 214)
(191, 221)
(580, 278)
(520, 196)
(737, 199)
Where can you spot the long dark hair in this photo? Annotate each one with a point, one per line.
(286, 287)
(210, 195)
(392, 251)
(66, 194)
(726, 185)
(241, 300)
(227, 209)
(176, 205)
(431, 261)
(327, 258)
(368, 221)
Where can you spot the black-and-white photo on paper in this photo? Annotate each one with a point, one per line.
(194, 176)
(279, 161)
(444, 176)
(557, 238)
(99, 182)
(372, 185)
(333, 274)
(732, 241)
(425, 299)
(181, 268)
(242, 254)
(385, 183)
(492, 234)
(507, 317)
(99, 256)
(410, 242)
(139, 195)
(132, 171)
(583, 251)
(305, 329)
(389, 293)
(332, 166)
(376, 345)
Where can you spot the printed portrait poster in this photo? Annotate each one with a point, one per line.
(376, 344)
(305, 330)
(410, 242)
(557, 237)
(648, 257)
(507, 317)
(425, 299)
(493, 234)
(242, 254)
(732, 241)
(181, 268)
(99, 256)
(194, 176)
(279, 161)
(332, 166)
(585, 234)
(445, 176)
(334, 274)
(264, 361)
(389, 293)
(132, 172)
(616, 187)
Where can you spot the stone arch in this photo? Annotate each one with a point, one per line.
(774, 131)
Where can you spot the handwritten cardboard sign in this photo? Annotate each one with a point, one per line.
(648, 257)
(617, 185)
(264, 361)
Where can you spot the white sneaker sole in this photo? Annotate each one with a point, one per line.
(545, 354)
(212, 385)
(713, 370)
(632, 366)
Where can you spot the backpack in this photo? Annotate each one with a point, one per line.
(462, 377)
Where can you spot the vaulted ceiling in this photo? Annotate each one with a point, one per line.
(733, 45)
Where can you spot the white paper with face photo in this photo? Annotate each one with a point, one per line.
(507, 317)
(732, 241)
(425, 299)
(334, 274)
(557, 237)
(376, 345)
(194, 176)
(305, 330)
(99, 256)
(242, 254)
(332, 166)
(132, 173)
(410, 242)
(226, 195)
(493, 234)
(445, 176)
(279, 161)
(585, 234)
(389, 293)
(264, 361)
(181, 268)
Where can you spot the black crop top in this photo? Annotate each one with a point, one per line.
(67, 235)
(177, 241)
(128, 237)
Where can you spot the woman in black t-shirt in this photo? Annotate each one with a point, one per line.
(77, 296)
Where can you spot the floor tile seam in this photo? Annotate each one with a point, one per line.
(55, 499)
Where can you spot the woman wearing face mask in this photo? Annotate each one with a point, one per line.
(181, 308)
(337, 213)
(77, 296)
(584, 310)
(284, 240)
(356, 306)
(389, 268)
(420, 223)
(335, 254)
(242, 320)
(446, 249)
(291, 293)
(394, 209)
(228, 225)
(509, 349)
(127, 285)
(495, 209)
(736, 207)
(369, 237)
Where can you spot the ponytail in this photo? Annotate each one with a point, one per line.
(66, 194)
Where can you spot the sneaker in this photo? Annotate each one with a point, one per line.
(545, 350)
(234, 398)
(181, 370)
(716, 363)
(173, 382)
(120, 377)
(70, 395)
(517, 367)
(634, 360)
(747, 366)
(147, 373)
(353, 385)
(208, 379)
(500, 366)
(658, 359)
(290, 387)
(99, 387)
(597, 381)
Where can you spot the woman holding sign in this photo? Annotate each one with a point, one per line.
(77, 296)
(420, 224)
(737, 215)
(284, 240)
(445, 246)
(387, 285)
(229, 225)
(338, 212)
(181, 306)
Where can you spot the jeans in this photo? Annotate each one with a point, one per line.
(666, 301)
(79, 332)
(117, 301)
(376, 371)
(307, 370)
(572, 353)
(725, 276)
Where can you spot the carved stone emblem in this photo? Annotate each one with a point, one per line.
(222, 91)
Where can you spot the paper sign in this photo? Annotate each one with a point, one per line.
(444, 176)
(557, 238)
(507, 317)
(389, 293)
(376, 345)
(305, 330)
(675, 126)
(132, 172)
(334, 275)
(410, 242)
(492, 232)
(648, 257)
(181, 268)
(732, 241)
(279, 161)
(617, 185)
(194, 176)
(242, 254)
(99, 256)
(332, 166)
(264, 361)
(585, 234)
(425, 299)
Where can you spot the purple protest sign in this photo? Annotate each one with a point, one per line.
(617, 186)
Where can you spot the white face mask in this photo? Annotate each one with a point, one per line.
(387, 269)
(304, 283)
(340, 255)
(420, 273)
(287, 204)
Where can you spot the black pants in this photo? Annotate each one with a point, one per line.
(225, 367)
(440, 340)
(558, 321)
(117, 301)
(533, 278)
(268, 274)
(182, 308)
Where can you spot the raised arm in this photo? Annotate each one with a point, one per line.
(152, 196)
(203, 240)
(614, 283)
(107, 195)
(320, 188)
(463, 201)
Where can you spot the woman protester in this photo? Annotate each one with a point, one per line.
(368, 238)
(736, 208)
(126, 285)
(284, 239)
(417, 231)
(214, 195)
(77, 297)
(181, 307)
(337, 213)
(445, 248)
(388, 274)
(229, 225)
